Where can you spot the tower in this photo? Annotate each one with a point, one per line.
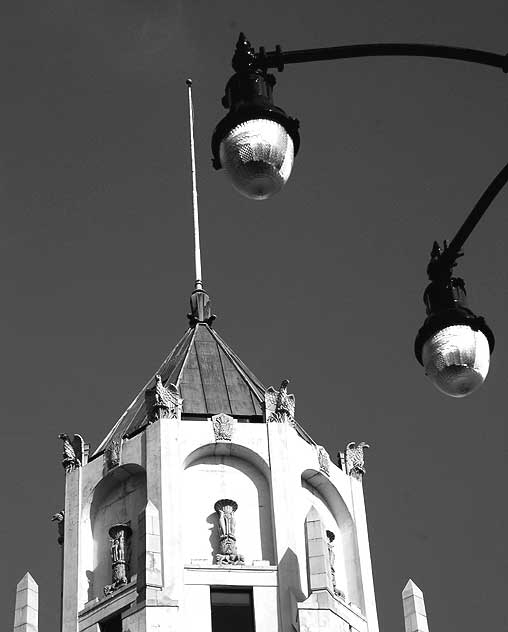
(207, 505)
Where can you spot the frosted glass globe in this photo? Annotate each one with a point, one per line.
(456, 360)
(258, 157)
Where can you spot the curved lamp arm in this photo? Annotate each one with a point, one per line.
(278, 59)
(452, 251)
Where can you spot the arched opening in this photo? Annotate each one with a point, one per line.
(320, 493)
(209, 477)
(117, 499)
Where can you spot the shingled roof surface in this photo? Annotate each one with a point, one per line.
(210, 377)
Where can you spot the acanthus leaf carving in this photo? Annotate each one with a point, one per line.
(323, 460)
(113, 454)
(223, 426)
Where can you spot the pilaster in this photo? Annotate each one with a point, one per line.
(71, 567)
(163, 543)
(285, 486)
(360, 519)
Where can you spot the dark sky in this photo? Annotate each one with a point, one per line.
(321, 284)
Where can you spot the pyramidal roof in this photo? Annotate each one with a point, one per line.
(209, 376)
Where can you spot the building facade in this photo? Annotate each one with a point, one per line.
(208, 508)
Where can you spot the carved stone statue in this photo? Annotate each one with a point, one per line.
(324, 460)
(162, 402)
(120, 550)
(223, 426)
(331, 554)
(112, 454)
(279, 405)
(355, 459)
(73, 451)
(59, 518)
(225, 509)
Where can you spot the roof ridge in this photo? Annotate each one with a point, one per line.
(130, 407)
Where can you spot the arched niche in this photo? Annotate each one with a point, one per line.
(232, 472)
(117, 499)
(319, 493)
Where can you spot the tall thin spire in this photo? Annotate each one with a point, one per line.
(198, 285)
(201, 308)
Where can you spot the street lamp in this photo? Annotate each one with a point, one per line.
(256, 143)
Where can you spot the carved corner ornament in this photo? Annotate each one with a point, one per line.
(279, 405)
(355, 458)
(162, 402)
(323, 460)
(113, 454)
(59, 518)
(228, 555)
(120, 553)
(73, 452)
(223, 426)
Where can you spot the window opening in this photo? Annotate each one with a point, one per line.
(232, 610)
(113, 624)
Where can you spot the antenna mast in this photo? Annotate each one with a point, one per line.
(198, 285)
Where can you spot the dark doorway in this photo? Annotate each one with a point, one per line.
(114, 624)
(232, 610)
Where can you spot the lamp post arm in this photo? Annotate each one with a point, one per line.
(278, 59)
(452, 251)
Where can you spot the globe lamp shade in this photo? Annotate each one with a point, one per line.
(258, 156)
(456, 359)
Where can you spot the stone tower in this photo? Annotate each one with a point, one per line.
(208, 508)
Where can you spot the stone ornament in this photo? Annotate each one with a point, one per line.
(113, 454)
(279, 405)
(73, 452)
(223, 426)
(228, 555)
(324, 460)
(330, 535)
(119, 535)
(162, 402)
(355, 459)
(59, 518)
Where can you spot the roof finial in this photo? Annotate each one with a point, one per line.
(201, 309)
(198, 285)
